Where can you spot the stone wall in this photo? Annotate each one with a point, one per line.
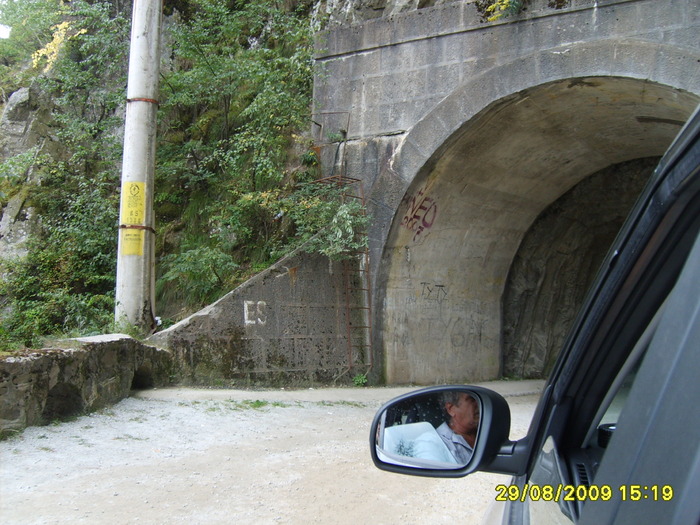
(41, 386)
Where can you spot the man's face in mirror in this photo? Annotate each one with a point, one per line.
(464, 415)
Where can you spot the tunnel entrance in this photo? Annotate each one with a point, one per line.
(558, 260)
(457, 304)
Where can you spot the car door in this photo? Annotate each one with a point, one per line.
(652, 462)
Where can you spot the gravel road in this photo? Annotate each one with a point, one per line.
(195, 456)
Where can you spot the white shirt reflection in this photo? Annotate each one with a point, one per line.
(456, 444)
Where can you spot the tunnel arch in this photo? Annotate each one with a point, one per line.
(480, 168)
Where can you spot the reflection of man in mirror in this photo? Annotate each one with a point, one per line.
(459, 431)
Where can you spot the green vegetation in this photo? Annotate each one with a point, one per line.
(360, 380)
(235, 168)
(65, 284)
(256, 404)
(355, 404)
(211, 406)
(497, 9)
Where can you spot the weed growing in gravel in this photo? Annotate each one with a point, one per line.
(360, 380)
(232, 404)
(129, 437)
(256, 404)
(355, 404)
(6, 435)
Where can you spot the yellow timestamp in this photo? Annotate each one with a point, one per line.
(583, 492)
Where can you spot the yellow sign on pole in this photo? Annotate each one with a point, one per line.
(133, 213)
(132, 241)
(133, 203)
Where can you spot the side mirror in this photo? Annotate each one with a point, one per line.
(445, 431)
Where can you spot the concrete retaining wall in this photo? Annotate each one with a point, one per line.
(287, 325)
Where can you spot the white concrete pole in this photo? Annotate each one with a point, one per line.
(135, 293)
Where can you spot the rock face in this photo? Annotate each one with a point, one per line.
(16, 225)
(24, 123)
(23, 130)
(41, 386)
(357, 11)
(14, 121)
(556, 262)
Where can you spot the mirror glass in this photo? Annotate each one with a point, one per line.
(436, 430)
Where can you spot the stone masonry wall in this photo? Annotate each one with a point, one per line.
(41, 386)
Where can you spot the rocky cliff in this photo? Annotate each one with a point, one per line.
(357, 11)
(23, 130)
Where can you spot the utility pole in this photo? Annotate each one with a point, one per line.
(135, 293)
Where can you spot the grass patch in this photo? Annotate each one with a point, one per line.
(255, 404)
(129, 437)
(9, 434)
(355, 404)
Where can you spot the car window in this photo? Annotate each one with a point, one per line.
(604, 424)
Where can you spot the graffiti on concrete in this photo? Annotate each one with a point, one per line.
(421, 214)
(254, 312)
(448, 330)
(433, 292)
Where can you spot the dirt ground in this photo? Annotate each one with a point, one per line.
(233, 456)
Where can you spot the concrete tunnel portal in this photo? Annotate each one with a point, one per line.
(501, 231)
(496, 160)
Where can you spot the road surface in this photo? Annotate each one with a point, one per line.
(200, 456)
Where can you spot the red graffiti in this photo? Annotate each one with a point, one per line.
(421, 214)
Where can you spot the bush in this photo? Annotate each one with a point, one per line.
(233, 163)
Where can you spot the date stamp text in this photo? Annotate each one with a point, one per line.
(583, 492)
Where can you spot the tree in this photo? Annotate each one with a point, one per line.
(66, 282)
